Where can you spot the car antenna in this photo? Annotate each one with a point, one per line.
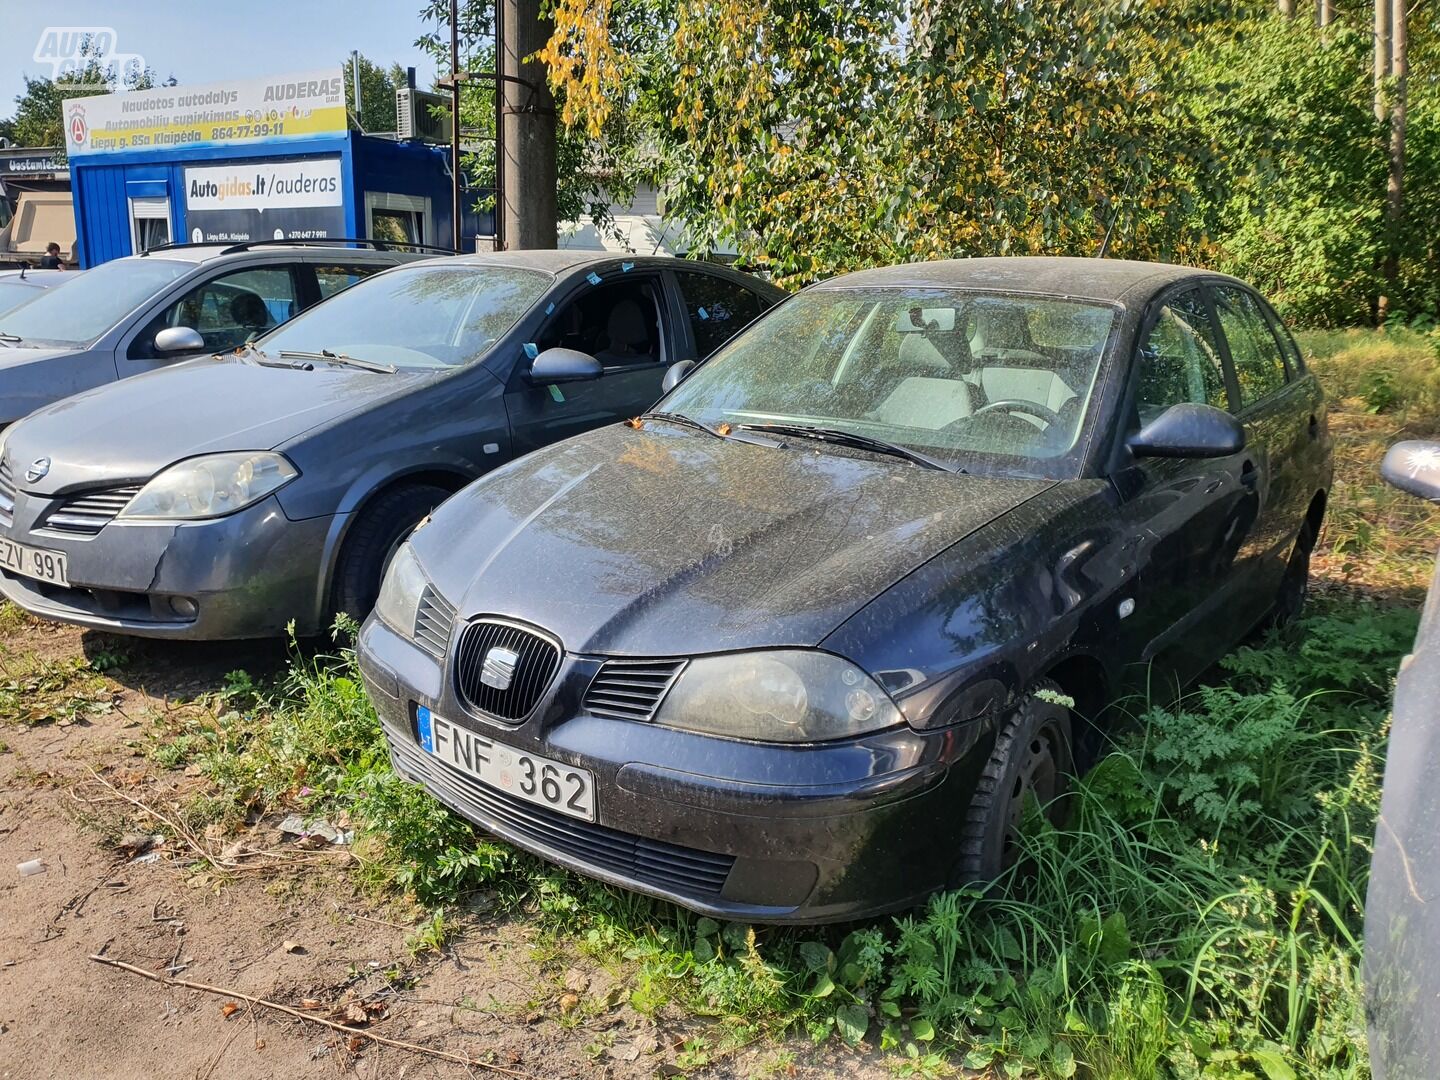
(1110, 229)
(23, 267)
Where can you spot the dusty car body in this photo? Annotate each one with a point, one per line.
(1401, 928)
(344, 427)
(109, 324)
(781, 652)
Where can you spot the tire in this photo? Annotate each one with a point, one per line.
(1295, 585)
(1033, 755)
(373, 540)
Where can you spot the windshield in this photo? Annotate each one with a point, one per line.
(973, 379)
(12, 296)
(83, 309)
(423, 316)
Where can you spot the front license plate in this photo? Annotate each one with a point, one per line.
(520, 773)
(34, 563)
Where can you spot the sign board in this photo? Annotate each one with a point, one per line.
(240, 112)
(19, 162)
(265, 200)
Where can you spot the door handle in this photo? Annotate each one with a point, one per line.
(1249, 476)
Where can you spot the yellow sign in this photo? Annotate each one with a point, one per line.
(216, 114)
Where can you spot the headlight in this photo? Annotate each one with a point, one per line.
(211, 486)
(788, 696)
(400, 591)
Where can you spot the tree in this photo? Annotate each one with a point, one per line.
(377, 94)
(820, 137)
(591, 171)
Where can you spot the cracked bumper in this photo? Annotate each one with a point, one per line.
(242, 576)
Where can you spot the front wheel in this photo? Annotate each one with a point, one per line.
(1295, 585)
(1032, 758)
(382, 527)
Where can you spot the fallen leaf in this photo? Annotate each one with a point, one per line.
(623, 1053)
(309, 1003)
(354, 1044)
(229, 1009)
(576, 980)
(355, 1013)
(292, 946)
(259, 1044)
(569, 1001)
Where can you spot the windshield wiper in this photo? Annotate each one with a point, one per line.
(850, 438)
(264, 359)
(341, 358)
(682, 420)
(14, 338)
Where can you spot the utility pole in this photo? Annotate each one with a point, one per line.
(1287, 8)
(527, 168)
(1325, 12)
(355, 78)
(458, 238)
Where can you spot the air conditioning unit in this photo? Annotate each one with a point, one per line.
(416, 116)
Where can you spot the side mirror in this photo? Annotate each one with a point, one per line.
(174, 340)
(1190, 431)
(674, 373)
(1414, 466)
(564, 365)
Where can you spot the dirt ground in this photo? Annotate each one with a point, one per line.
(301, 935)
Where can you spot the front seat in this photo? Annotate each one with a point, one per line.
(626, 334)
(249, 312)
(1008, 367)
(935, 396)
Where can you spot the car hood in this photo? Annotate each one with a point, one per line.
(131, 429)
(664, 541)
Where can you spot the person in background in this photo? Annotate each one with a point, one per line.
(51, 259)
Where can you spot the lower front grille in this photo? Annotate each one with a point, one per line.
(681, 871)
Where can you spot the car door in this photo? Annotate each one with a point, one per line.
(622, 323)
(227, 308)
(1186, 519)
(715, 308)
(1280, 423)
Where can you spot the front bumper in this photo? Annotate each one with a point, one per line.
(247, 575)
(804, 834)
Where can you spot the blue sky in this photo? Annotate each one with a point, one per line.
(198, 41)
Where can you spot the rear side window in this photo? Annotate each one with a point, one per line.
(333, 279)
(1259, 365)
(1180, 359)
(718, 309)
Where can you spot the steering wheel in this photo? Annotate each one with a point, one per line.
(1018, 405)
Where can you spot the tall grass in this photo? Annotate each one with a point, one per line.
(1200, 915)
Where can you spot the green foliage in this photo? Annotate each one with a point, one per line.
(377, 94)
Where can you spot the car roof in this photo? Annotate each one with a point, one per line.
(556, 261)
(1112, 280)
(33, 278)
(201, 253)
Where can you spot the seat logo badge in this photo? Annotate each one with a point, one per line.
(499, 668)
(37, 470)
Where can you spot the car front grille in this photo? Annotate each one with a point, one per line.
(89, 512)
(434, 619)
(631, 689)
(537, 659)
(679, 870)
(7, 494)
